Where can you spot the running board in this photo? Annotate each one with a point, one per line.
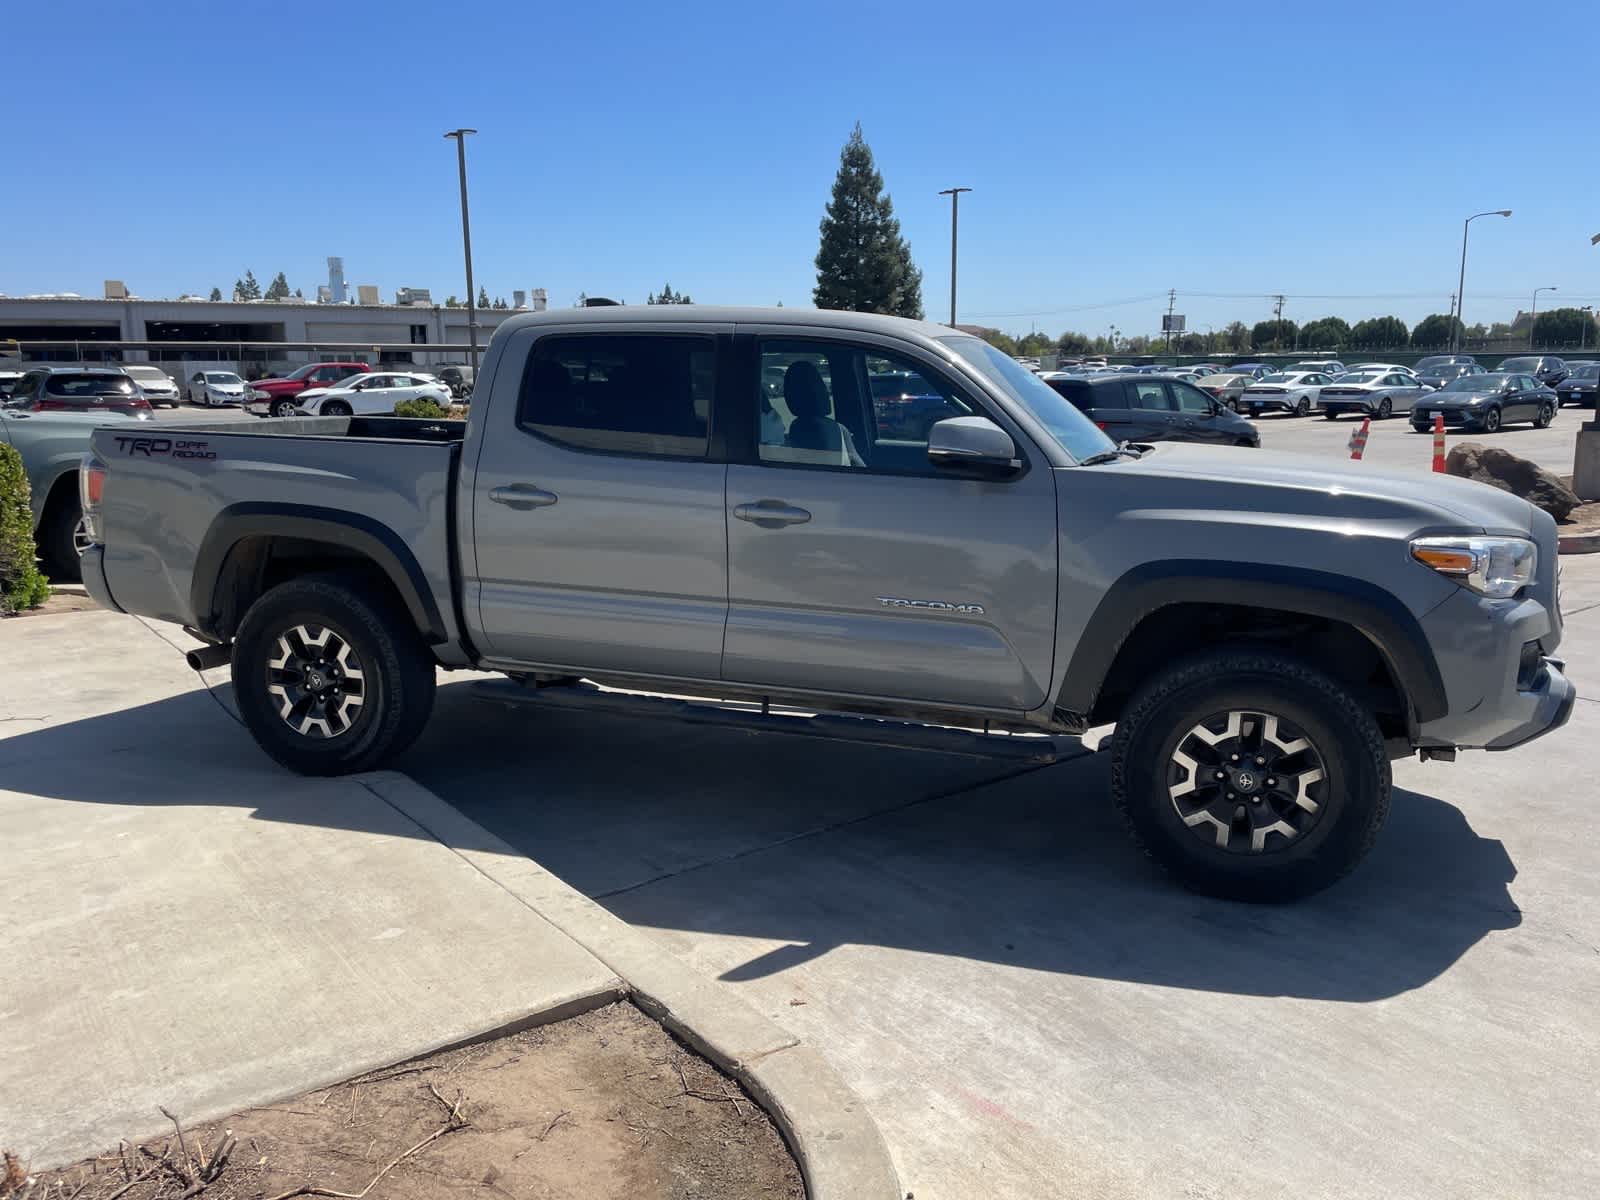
(1037, 748)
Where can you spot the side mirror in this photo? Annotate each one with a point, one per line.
(972, 444)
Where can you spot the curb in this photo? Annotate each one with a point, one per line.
(840, 1151)
(1579, 543)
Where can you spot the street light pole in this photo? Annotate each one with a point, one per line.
(460, 136)
(1461, 284)
(955, 203)
(1533, 317)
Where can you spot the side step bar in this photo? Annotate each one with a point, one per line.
(1040, 748)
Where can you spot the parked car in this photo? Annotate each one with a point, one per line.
(1203, 369)
(1395, 368)
(371, 395)
(1424, 365)
(1226, 387)
(1546, 368)
(1323, 366)
(1154, 409)
(1439, 374)
(903, 407)
(1296, 392)
(50, 388)
(52, 443)
(617, 513)
(1582, 386)
(458, 377)
(1256, 370)
(11, 370)
(1488, 401)
(215, 389)
(1378, 394)
(287, 387)
(158, 387)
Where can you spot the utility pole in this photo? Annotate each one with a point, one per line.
(1172, 303)
(460, 135)
(1277, 322)
(955, 203)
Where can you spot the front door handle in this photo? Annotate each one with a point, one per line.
(771, 514)
(522, 495)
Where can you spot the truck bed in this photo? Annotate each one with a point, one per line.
(178, 500)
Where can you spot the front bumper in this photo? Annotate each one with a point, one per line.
(91, 564)
(1554, 697)
(1454, 418)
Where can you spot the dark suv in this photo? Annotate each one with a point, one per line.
(1546, 368)
(79, 389)
(1154, 408)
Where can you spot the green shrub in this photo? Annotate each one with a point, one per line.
(419, 408)
(21, 585)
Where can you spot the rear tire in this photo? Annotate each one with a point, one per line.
(388, 675)
(1329, 416)
(1547, 413)
(1303, 408)
(1313, 807)
(59, 535)
(1385, 409)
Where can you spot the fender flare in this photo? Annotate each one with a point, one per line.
(1377, 614)
(352, 531)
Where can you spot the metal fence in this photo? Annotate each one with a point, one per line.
(251, 360)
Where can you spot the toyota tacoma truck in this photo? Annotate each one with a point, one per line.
(706, 502)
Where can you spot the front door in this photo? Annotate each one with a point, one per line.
(1197, 414)
(598, 519)
(854, 564)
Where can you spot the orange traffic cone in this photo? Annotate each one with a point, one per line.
(1438, 442)
(1358, 439)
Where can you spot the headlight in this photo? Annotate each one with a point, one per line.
(1490, 566)
(259, 395)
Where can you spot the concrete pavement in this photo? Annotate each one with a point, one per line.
(1029, 1009)
(187, 925)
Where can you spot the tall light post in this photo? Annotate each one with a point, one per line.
(1533, 316)
(460, 136)
(1461, 284)
(955, 204)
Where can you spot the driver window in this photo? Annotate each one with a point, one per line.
(1191, 399)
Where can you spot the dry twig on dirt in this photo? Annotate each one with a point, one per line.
(454, 1122)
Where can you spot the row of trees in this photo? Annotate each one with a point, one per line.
(248, 289)
(1558, 327)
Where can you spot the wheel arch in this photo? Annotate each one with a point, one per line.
(62, 488)
(255, 545)
(1357, 631)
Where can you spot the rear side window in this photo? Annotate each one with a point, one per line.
(1149, 396)
(622, 393)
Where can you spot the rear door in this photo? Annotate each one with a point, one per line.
(598, 514)
(855, 565)
(1152, 414)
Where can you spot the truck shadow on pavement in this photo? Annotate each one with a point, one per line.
(816, 845)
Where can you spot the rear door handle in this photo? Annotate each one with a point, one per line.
(771, 514)
(522, 495)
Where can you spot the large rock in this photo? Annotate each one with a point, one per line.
(1504, 470)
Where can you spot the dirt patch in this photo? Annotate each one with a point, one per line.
(64, 598)
(603, 1105)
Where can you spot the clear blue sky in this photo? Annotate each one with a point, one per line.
(1115, 151)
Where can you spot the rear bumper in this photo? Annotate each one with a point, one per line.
(93, 568)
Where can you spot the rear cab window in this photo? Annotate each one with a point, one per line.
(646, 394)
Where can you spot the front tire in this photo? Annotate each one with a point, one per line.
(335, 408)
(1491, 421)
(1250, 775)
(330, 675)
(1547, 413)
(283, 408)
(1329, 415)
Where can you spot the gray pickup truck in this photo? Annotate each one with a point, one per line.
(854, 514)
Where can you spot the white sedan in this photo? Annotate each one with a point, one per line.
(214, 389)
(373, 394)
(1294, 392)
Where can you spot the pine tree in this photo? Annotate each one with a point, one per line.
(298, 295)
(668, 296)
(863, 263)
(278, 289)
(238, 289)
(216, 293)
(452, 302)
(483, 296)
(248, 289)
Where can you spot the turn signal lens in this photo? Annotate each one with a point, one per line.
(1491, 566)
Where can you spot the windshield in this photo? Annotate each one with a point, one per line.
(1278, 377)
(1591, 371)
(88, 385)
(222, 377)
(1474, 383)
(1073, 431)
(1520, 364)
(153, 374)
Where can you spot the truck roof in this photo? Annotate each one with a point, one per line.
(622, 314)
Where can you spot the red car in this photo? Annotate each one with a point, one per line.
(274, 397)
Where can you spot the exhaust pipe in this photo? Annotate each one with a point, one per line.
(207, 657)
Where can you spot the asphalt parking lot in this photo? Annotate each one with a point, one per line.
(1030, 1009)
(1392, 443)
(189, 414)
